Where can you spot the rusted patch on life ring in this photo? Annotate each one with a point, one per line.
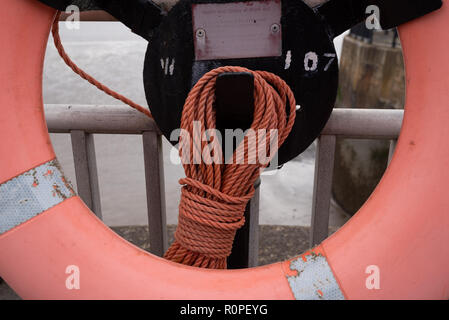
(32, 193)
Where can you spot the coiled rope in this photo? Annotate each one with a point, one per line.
(214, 195)
(215, 192)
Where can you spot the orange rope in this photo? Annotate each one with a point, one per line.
(214, 195)
(85, 76)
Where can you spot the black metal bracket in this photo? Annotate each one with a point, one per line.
(234, 103)
(234, 107)
(141, 16)
(234, 92)
(344, 14)
(60, 5)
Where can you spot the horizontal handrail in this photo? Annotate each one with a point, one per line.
(365, 123)
(112, 119)
(349, 123)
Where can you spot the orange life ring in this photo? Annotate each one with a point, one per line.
(45, 227)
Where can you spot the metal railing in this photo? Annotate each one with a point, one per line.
(82, 121)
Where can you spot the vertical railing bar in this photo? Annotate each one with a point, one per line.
(322, 190)
(253, 239)
(155, 189)
(93, 173)
(84, 157)
(393, 144)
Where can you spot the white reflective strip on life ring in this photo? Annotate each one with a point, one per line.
(32, 193)
(314, 279)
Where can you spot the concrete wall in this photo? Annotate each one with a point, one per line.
(371, 76)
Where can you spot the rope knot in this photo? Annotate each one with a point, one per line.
(207, 213)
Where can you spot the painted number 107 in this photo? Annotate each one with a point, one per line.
(311, 61)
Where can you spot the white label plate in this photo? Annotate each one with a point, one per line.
(237, 30)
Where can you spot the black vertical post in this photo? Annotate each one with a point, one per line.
(234, 107)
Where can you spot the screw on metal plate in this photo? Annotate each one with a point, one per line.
(275, 28)
(200, 33)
